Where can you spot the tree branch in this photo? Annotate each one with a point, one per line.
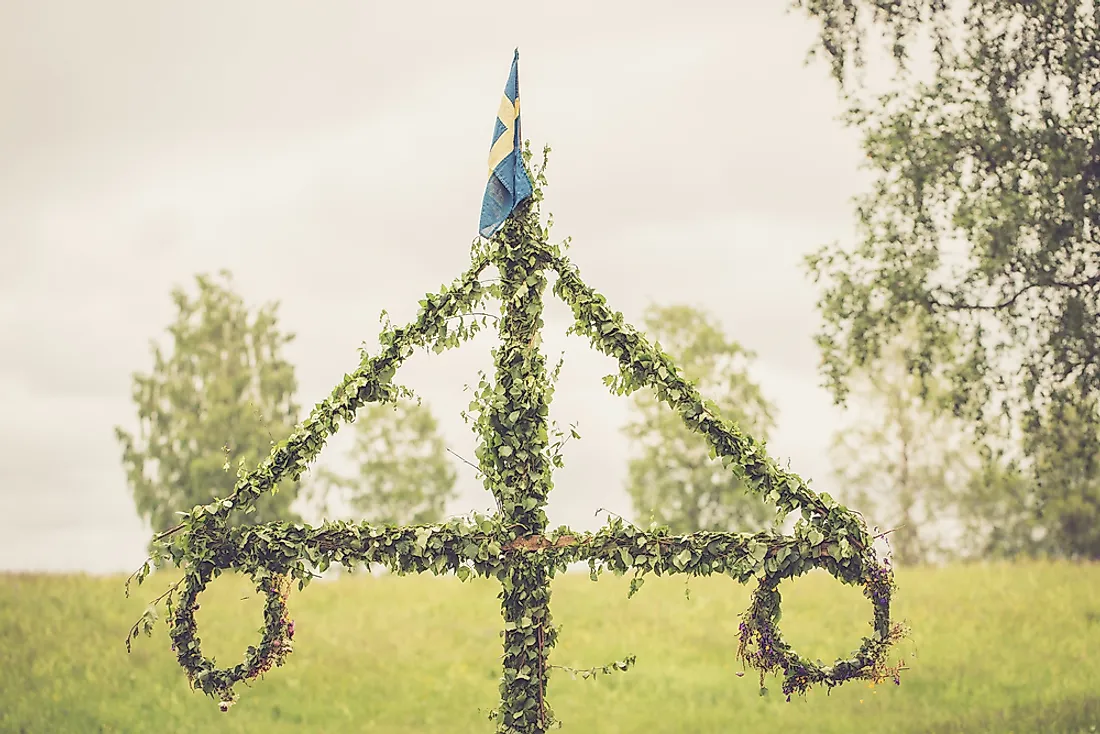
(170, 531)
(955, 305)
(464, 460)
(475, 314)
(884, 533)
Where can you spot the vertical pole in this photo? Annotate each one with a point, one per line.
(523, 480)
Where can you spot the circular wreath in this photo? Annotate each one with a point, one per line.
(762, 646)
(278, 631)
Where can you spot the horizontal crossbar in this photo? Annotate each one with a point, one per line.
(477, 546)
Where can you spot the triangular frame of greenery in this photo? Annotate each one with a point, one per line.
(513, 545)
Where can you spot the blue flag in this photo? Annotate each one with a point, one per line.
(508, 183)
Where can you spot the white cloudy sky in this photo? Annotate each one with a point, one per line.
(332, 155)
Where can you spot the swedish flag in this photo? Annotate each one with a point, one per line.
(508, 182)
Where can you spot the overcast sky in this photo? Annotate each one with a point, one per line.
(332, 156)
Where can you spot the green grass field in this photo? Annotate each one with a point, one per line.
(1002, 648)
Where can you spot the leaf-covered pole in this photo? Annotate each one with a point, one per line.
(518, 472)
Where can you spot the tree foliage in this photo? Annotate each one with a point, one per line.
(673, 476)
(1068, 469)
(403, 474)
(221, 394)
(904, 460)
(982, 227)
(983, 222)
(1043, 499)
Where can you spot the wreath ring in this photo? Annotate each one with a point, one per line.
(275, 644)
(763, 647)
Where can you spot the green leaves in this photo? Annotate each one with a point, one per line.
(587, 673)
(404, 475)
(219, 397)
(978, 246)
(144, 625)
(682, 558)
(516, 452)
(674, 475)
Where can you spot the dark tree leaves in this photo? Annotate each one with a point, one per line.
(983, 222)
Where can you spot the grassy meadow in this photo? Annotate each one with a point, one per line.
(998, 648)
